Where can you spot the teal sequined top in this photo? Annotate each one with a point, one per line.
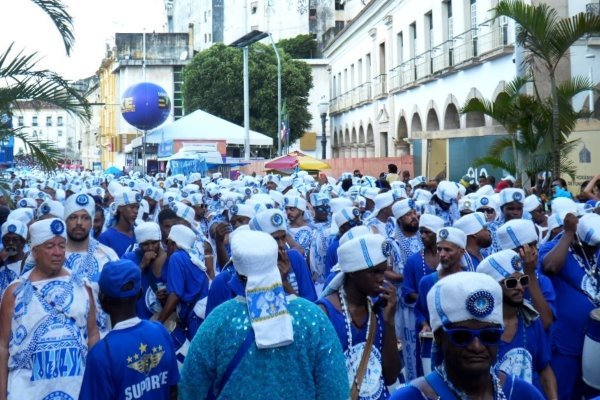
(312, 367)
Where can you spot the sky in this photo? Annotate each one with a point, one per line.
(95, 23)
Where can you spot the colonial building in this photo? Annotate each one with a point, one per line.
(45, 122)
(136, 57)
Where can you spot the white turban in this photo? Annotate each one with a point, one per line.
(588, 229)
(431, 222)
(345, 215)
(296, 202)
(509, 195)
(362, 252)
(44, 230)
(78, 202)
(147, 231)
(51, 207)
(265, 296)
(515, 233)
(501, 265)
(464, 296)
(269, 221)
(470, 224)
(403, 207)
(452, 235)
(16, 227)
(185, 238)
(126, 197)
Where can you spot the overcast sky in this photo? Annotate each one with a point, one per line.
(95, 21)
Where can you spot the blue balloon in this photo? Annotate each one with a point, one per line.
(145, 105)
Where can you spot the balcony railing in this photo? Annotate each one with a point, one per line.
(379, 85)
(593, 8)
(474, 45)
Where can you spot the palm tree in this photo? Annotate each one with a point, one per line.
(23, 81)
(548, 38)
(526, 119)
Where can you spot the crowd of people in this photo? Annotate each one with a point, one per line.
(297, 287)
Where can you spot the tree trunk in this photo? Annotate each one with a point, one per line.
(555, 132)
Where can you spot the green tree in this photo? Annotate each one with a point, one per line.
(301, 46)
(547, 37)
(527, 119)
(22, 80)
(213, 82)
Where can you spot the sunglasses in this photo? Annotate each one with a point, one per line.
(511, 283)
(487, 210)
(322, 208)
(354, 222)
(463, 337)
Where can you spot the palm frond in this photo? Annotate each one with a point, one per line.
(568, 30)
(496, 163)
(24, 82)
(44, 152)
(61, 18)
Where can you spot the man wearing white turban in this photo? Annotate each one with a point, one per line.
(85, 256)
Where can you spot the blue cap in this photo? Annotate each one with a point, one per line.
(116, 275)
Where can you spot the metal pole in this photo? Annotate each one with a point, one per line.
(144, 153)
(591, 94)
(323, 137)
(246, 91)
(278, 95)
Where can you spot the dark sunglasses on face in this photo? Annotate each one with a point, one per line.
(463, 337)
(511, 283)
(322, 208)
(354, 222)
(487, 210)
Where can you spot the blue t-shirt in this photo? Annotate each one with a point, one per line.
(224, 287)
(147, 305)
(331, 257)
(376, 384)
(187, 281)
(116, 240)
(513, 388)
(414, 270)
(137, 362)
(573, 306)
(421, 311)
(527, 354)
(306, 287)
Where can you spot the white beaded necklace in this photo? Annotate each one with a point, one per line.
(498, 392)
(348, 317)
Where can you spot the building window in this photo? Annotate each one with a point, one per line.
(34, 121)
(59, 121)
(253, 7)
(339, 25)
(177, 92)
(585, 156)
(48, 121)
(35, 134)
(59, 133)
(339, 4)
(254, 28)
(21, 122)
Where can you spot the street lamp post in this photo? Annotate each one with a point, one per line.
(591, 57)
(278, 95)
(243, 43)
(323, 108)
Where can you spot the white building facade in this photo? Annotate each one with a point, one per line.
(400, 73)
(48, 123)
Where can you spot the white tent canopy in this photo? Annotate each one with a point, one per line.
(201, 125)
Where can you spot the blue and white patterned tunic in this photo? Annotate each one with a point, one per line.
(48, 341)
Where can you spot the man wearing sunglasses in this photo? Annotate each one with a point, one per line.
(520, 236)
(524, 350)
(486, 205)
(467, 321)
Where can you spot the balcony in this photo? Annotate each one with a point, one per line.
(379, 86)
(593, 8)
(467, 49)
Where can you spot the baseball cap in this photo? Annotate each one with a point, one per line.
(120, 279)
